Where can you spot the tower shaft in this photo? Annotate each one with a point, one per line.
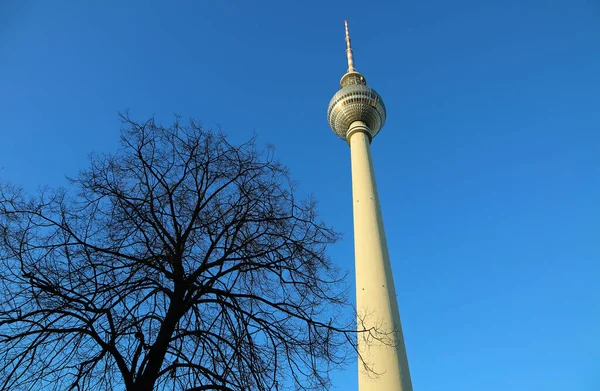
(380, 339)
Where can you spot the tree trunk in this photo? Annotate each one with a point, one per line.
(158, 351)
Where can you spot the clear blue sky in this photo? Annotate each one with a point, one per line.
(488, 167)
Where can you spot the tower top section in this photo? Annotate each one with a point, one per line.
(352, 76)
(349, 49)
(355, 101)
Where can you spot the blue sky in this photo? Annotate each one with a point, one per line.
(488, 166)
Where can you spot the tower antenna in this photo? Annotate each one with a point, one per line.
(349, 50)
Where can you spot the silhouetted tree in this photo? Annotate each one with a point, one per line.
(182, 262)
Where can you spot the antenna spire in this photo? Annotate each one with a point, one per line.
(349, 50)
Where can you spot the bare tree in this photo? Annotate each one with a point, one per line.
(182, 262)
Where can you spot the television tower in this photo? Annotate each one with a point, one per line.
(356, 114)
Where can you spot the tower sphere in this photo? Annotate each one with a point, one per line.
(355, 101)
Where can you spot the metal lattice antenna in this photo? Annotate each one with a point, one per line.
(349, 50)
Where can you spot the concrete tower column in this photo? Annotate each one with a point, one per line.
(380, 340)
